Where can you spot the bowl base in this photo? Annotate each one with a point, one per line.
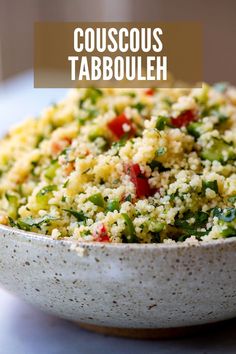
(150, 333)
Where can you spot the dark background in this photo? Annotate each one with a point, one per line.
(218, 17)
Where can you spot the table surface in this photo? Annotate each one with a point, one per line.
(25, 329)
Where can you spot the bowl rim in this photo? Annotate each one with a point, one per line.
(27, 235)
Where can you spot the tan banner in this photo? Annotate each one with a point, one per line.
(118, 54)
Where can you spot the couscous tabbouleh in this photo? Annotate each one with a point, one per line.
(113, 165)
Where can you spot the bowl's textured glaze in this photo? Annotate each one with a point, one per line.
(132, 286)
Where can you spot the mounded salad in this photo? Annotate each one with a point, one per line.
(119, 165)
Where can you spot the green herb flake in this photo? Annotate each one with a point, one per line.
(139, 106)
(94, 94)
(227, 214)
(201, 219)
(232, 199)
(167, 101)
(161, 122)
(161, 151)
(29, 222)
(213, 185)
(65, 184)
(79, 215)
(156, 164)
(130, 94)
(128, 198)
(223, 118)
(229, 231)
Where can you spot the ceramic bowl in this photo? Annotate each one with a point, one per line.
(122, 285)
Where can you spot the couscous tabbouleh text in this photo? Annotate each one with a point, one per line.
(113, 165)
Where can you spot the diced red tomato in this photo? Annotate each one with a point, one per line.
(101, 234)
(140, 181)
(150, 92)
(116, 126)
(184, 118)
(69, 168)
(69, 140)
(58, 146)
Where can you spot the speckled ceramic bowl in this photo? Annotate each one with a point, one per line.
(120, 285)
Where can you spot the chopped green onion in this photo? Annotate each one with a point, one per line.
(51, 170)
(97, 199)
(94, 134)
(193, 129)
(129, 229)
(12, 205)
(156, 226)
(113, 205)
(219, 151)
(44, 194)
